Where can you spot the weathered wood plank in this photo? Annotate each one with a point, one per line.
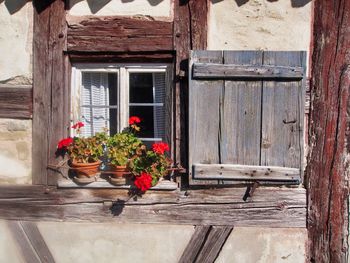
(248, 71)
(246, 172)
(241, 114)
(16, 101)
(119, 34)
(272, 207)
(25, 247)
(50, 118)
(204, 114)
(281, 143)
(195, 244)
(121, 57)
(327, 173)
(213, 244)
(37, 241)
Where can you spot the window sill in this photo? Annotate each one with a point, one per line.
(164, 185)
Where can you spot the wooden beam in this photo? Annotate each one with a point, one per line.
(16, 101)
(51, 90)
(123, 34)
(328, 171)
(190, 32)
(213, 244)
(120, 57)
(37, 241)
(269, 207)
(232, 71)
(246, 172)
(25, 247)
(195, 244)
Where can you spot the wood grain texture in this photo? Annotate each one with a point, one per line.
(327, 172)
(282, 127)
(232, 71)
(114, 34)
(37, 241)
(270, 207)
(25, 247)
(204, 114)
(16, 101)
(50, 92)
(246, 173)
(195, 244)
(213, 244)
(240, 124)
(190, 32)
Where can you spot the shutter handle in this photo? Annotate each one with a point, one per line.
(289, 122)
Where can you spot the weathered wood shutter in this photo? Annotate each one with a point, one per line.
(246, 116)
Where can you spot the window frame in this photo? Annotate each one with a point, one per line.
(123, 71)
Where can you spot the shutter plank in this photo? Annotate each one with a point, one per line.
(241, 114)
(281, 118)
(204, 114)
(246, 71)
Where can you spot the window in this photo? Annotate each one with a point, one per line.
(104, 96)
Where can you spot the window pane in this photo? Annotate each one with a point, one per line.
(141, 87)
(98, 93)
(146, 115)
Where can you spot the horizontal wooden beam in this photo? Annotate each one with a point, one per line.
(119, 34)
(232, 71)
(270, 207)
(246, 173)
(16, 101)
(121, 57)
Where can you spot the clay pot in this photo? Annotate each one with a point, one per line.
(119, 175)
(84, 170)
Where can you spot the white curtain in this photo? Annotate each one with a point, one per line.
(158, 111)
(94, 95)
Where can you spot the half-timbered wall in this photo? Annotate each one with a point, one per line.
(67, 242)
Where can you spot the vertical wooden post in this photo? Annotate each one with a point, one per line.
(328, 165)
(190, 32)
(50, 96)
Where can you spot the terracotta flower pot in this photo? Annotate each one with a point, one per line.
(86, 169)
(120, 175)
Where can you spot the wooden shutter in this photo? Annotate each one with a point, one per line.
(246, 116)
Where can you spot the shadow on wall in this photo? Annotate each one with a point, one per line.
(14, 5)
(295, 3)
(96, 5)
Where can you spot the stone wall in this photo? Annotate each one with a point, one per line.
(16, 34)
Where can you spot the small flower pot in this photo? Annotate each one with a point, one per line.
(119, 175)
(84, 170)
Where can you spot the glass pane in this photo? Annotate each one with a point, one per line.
(98, 92)
(147, 120)
(141, 87)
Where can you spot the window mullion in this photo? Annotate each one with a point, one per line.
(124, 98)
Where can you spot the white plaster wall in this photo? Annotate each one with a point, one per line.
(16, 33)
(108, 242)
(259, 24)
(156, 8)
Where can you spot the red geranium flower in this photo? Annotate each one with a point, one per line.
(134, 119)
(143, 182)
(78, 125)
(160, 147)
(64, 143)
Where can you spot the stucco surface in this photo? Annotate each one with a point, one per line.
(15, 151)
(259, 24)
(85, 242)
(16, 33)
(162, 8)
(264, 245)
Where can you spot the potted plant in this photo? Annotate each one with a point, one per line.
(120, 149)
(84, 153)
(149, 166)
